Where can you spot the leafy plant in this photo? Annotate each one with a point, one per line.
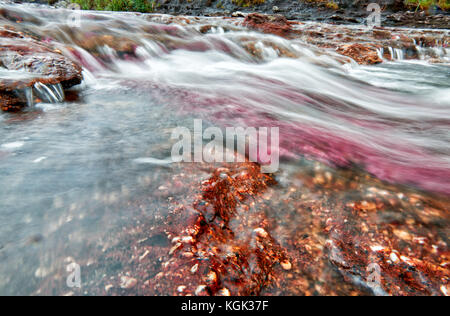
(248, 3)
(332, 5)
(427, 4)
(85, 4)
(144, 6)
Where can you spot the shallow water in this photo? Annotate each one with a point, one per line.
(73, 174)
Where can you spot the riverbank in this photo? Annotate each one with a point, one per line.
(395, 13)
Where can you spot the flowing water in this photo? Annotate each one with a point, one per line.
(75, 173)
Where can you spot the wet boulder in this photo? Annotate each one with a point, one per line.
(381, 34)
(27, 65)
(363, 54)
(271, 24)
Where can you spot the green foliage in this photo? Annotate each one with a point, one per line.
(444, 4)
(332, 5)
(248, 3)
(84, 4)
(119, 5)
(427, 4)
(144, 6)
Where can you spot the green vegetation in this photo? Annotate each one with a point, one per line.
(248, 3)
(144, 6)
(332, 5)
(428, 4)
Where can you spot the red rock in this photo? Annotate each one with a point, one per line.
(31, 62)
(272, 24)
(381, 34)
(363, 54)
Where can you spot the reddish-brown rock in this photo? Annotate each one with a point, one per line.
(362, 54)
(381, 34)
(272, 24)
(25, 62)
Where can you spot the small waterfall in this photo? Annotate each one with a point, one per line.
(396, 53)
(29, 94)
(26, 94)
(380, 52)
(267, 52)
(399, 53)
(420, 51)
(49, 93)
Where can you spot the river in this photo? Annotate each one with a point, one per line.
(85, 179)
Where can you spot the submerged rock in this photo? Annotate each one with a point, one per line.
(25, 64)
(228, 258)
(243, 234)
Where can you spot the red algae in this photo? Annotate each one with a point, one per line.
(357, 224)
(319, 232)
(220, 246)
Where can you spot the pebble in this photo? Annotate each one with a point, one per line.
(404, 235)
(261, 232)
(174, 248)
(108, 287)
(188, 239)
(286, 265)
(35, 239)
(444, 290)
(238, 14)
(188, 254)
(377, 248)
(212, 277)
(144, 255)
(127, 282)
(394, 258)
(201, 290)
(41, 272)
(224, 292)
(194, 268)
(407, 260)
